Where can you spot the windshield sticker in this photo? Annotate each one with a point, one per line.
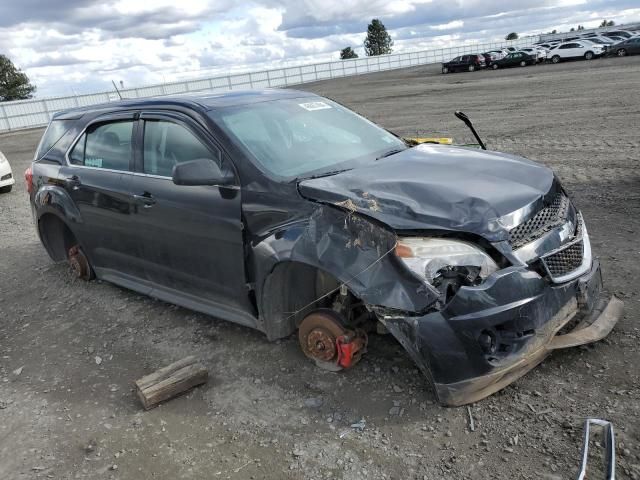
(311, 106)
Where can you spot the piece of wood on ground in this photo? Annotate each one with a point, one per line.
(170, 381)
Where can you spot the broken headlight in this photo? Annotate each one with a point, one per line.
(445, 264)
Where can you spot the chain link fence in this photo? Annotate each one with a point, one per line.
(38, 112)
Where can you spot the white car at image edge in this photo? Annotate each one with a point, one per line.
(586, 50)
(6, 175)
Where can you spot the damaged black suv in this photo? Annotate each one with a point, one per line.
(285, 211)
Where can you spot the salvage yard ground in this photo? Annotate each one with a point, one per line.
(70, 351)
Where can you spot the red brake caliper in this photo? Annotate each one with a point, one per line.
(350, 348)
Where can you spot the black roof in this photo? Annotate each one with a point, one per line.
(197, 101)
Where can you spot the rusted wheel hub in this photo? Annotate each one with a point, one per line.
(325, 340)
(79, 263)
(321, 344)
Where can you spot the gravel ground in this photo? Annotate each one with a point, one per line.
(71, 350)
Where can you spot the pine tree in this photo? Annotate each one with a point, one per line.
(347, 53)
(378, 41)
(14, 84)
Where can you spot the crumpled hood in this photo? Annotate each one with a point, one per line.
(437, 187)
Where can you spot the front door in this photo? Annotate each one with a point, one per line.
(191, 236)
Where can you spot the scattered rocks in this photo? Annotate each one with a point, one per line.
(313, 402)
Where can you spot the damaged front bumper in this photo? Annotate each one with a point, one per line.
(490, 335)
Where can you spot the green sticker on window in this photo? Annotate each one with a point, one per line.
(93, 162)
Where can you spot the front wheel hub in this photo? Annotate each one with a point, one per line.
(324, 339)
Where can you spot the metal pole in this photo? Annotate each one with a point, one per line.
(5, 116)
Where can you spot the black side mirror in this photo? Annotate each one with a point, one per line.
(202, 171)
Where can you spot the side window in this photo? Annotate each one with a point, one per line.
(566, 45)
(55, 131)
(105, 145)
(166, 144)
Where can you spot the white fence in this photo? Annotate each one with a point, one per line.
(38, 112)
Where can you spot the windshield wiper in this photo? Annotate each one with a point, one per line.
(324, 174)
(391, 152)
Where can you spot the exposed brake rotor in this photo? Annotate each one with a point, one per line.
(79, 263)
(325, 340)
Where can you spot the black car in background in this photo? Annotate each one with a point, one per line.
(286, 212)
(464, 63)
(630, 46)
(515, 59)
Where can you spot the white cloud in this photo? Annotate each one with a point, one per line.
(448, 26)
(84, 44)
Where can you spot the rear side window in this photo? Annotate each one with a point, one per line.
(55, 131)
(166, 144)
(107, 145)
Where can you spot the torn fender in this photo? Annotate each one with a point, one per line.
(353, 249)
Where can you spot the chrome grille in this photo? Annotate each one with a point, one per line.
(566, 260)
(548, 218)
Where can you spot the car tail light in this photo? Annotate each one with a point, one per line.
(28, 179)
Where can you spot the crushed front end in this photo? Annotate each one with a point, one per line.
(486, 333)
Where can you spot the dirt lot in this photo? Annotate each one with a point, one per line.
(69, 351)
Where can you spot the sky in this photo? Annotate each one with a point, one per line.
(81, 46)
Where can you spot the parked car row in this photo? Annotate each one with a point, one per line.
(614, 42)
(588, 46)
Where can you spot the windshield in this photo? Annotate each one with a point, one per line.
(302, 137)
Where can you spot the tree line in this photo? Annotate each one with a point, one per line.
(377, 42)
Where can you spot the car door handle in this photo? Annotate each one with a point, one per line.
(74, 182)
(146, 199)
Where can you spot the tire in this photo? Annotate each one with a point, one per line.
(588, 55)
(445, 70)
(523, 63)
(621, 52)
(555, 59)
(6, 189)
(472, 68)
(494, 66)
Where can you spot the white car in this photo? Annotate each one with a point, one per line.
(564, 51)
(6, 175)
(539, 53)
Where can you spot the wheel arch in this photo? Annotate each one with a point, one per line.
(289, 292)
(320, 252)
(56, 217)
(56, 236)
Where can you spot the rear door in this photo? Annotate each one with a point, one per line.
(97, 177)
(633, 45)
(191, 237)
